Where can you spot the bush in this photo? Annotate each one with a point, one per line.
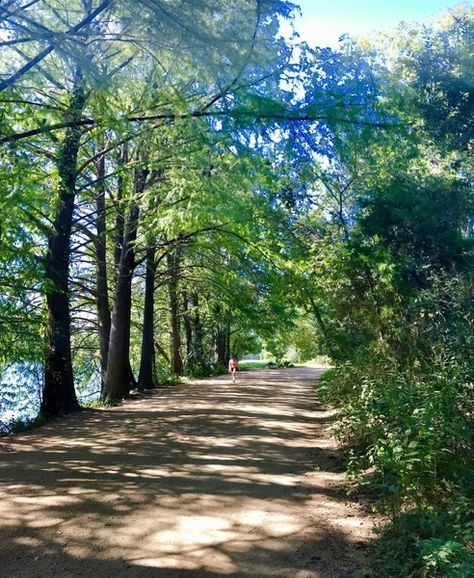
(409, 434)
(164, 376)
(19, 425)
(407, 426)
(201, 369)
(428, 545)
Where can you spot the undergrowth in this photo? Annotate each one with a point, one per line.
(20, 425)
(408, 431)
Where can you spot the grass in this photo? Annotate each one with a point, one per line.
(321, 361)
(94, 404)
(254, 364)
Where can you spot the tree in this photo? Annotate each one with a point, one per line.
(59, 395)
(78, 82)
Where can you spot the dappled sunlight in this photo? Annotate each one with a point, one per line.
(214, 482)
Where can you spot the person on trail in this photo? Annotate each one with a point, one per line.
(233, 367)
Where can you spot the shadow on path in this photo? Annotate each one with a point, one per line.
(206, 479)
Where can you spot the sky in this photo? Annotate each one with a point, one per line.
(324, 21)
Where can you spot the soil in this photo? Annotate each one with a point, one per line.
(206, 479)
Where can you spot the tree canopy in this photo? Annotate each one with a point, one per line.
(179, 183)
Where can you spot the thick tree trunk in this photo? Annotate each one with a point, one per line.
(221, 340)
(173, 275)
(103, 307)
(120, 225)
(220, 336)
(59, 396)
(119, 378)
(146, 376)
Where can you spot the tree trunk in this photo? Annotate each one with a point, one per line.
(173, 274)
(59, 395)
(119, 378)
(197, 345)
(188, 332)
(220, 336)
(146, 376)
(103, 307)
(120, 219)
(162, 352)
(333, 350)
(221, 339)
(227, 343)
(120, 226)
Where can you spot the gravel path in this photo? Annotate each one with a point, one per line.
(207, 479)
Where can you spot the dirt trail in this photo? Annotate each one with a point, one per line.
(203, 480)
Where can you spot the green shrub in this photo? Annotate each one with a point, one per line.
(21, 425)
(426, 545)
(409, 434)
(164, 376)
(407, 426)
(200, 369)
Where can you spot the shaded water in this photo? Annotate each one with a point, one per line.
(21, 385)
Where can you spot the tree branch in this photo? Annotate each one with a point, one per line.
(42, 55)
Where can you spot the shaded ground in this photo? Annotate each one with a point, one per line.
(203, 480)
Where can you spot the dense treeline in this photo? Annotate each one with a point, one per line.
(116, 179)
(179, 183)
(393, 272)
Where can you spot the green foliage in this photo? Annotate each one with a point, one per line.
(27, 425)
(406, 423)
(329, 236)
(392, 283)
(306, 341)
(22, 200)
(429, 544)
(419, 219)
(405, 426)
(200, 369)
(438, 61)
(20, 425)
(164, 376)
